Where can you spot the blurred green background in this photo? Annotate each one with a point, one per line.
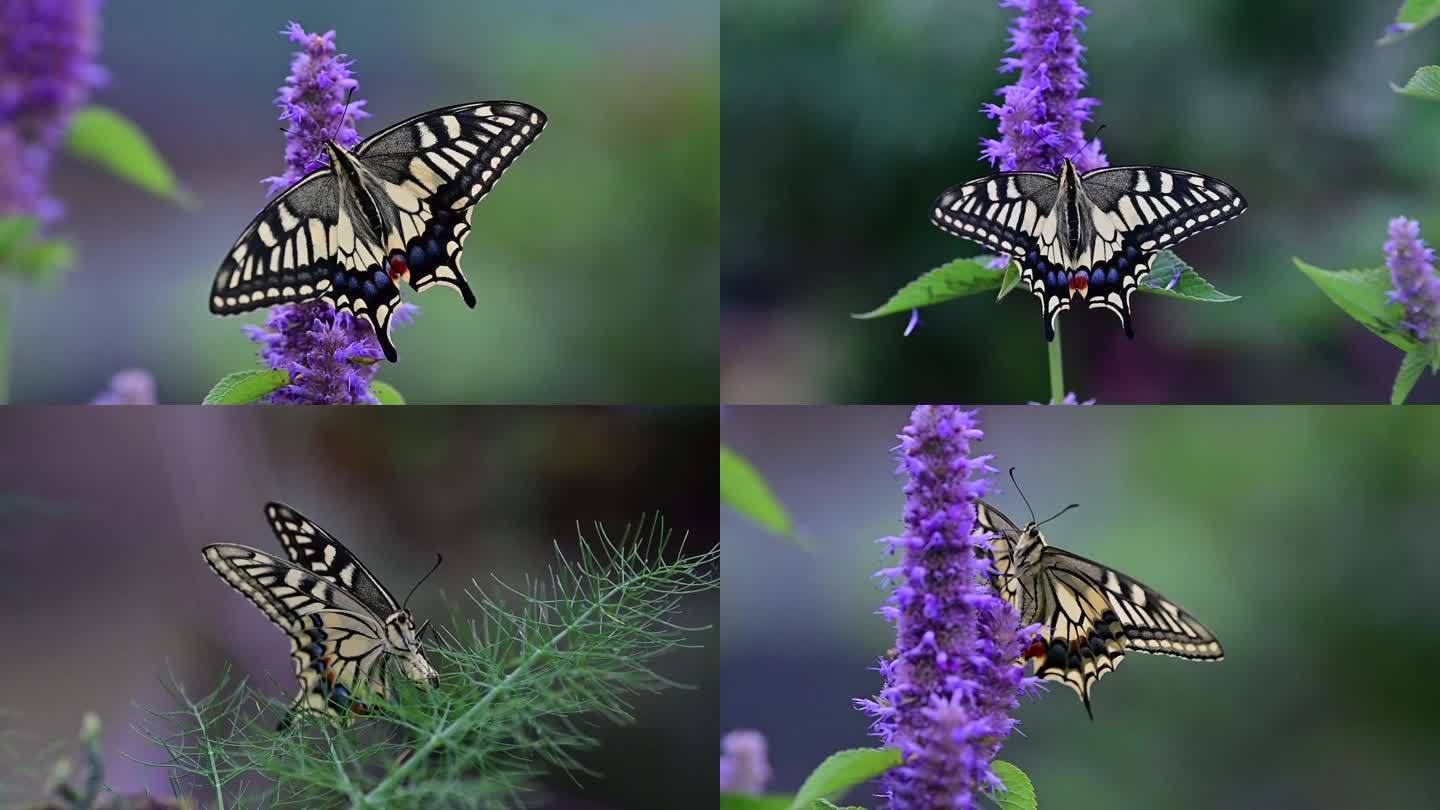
(594, 262)
(1304, 537)
(103, 592)
(844, 119)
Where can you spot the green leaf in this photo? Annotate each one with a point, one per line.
(1010, 281)
(843, 770)
(25, 254)
(743, 489)
(1424, 84)
(1410, 370)
(1361, 294)
(386, 393)
(243, 387)
(826, 804)
(14, 233)
(1414, 15)
(1019, 792)
(947, 282)
(104, 136)
(1190, 287)
(743, 801)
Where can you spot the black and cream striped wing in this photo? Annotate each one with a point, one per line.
(1004, 536)
(1091, 615)
(434, 168)
(1012, 214)
(336, 644)
(313, 549)
(1137, 211)
(286, 253)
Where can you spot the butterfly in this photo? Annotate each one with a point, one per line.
(1090, 615)
(1091, 236)
(340, 620)
(397, 207)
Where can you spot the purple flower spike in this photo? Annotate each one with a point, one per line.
(47, 70)
(331, 356)
(130, 387)
(1412, 273)
(956, 674)
(1042, 119)
(312, 105)
(744, 762)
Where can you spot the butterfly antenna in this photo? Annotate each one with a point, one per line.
(341, 122)
(1086, 145)
(438, 559)
(1022, 494)
(1058, 514)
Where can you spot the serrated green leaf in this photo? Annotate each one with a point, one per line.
(826, 804)
(1412, 16)
(1010, 281)
(947, 282)
(1361, 294)
(841, 771)
(244, 387)
(743, 489)
(104, 136)
(1189, 287)
(1410, 370)
(1019, 793)
(1424, 84)
(744, 801)
(386, 393)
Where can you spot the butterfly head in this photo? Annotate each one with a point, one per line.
(403, 640)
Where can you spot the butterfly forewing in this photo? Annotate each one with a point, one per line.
(1090, 238)
(315, 550)
(398, 206)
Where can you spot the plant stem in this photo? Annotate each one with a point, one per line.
(6, 311)
(1057, 370)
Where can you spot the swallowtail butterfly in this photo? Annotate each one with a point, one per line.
(398, 207)
(340, 620)
(1090, 614)
(1089, 236)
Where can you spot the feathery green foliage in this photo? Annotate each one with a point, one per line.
(520, 687)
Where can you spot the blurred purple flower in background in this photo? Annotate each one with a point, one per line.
(955, 677)
(744, 762)
(47, 70)
(1042, 119)
(130, 387)
(330, 355)
(1412, 272)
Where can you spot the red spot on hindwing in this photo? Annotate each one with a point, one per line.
(1079, 283)
(398, 267)
(1037, 650)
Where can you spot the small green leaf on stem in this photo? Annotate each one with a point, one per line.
(947, 282)
(1019, 793)
(1010, 281)
(1410, 369)
(1189, 287)
(744, 801)
(841, 771)
(1362, 294)
(1424, 84)
(245, 387)
(386, 393)
(743, 489)
(105, 137)
(1412, 16)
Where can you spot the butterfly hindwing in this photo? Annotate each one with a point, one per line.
(434, 168)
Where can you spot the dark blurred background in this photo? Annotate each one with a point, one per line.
(594, 262)
(844, 119)
(103, 590)
(1303, 537)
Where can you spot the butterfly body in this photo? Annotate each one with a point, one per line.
(1090, 615)
(343, 625)
(396, 207)
(1088, 239)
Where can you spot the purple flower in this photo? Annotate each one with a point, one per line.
(1043, 116)
(744, 764)
(331, 356)
(1412, 273)
(130, 387)
(956, 673)
(47, 70)
(312, 103)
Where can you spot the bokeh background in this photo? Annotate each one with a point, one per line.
(844, 119)
(103, 591)
(595, 261)
(1303, 537)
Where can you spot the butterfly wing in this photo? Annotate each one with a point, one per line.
(1138, 210)
(286, 253)
(1012, 214)
(336, 643)
(1092, 614)
(1005, 536)
(315, 550)
(435, 167)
